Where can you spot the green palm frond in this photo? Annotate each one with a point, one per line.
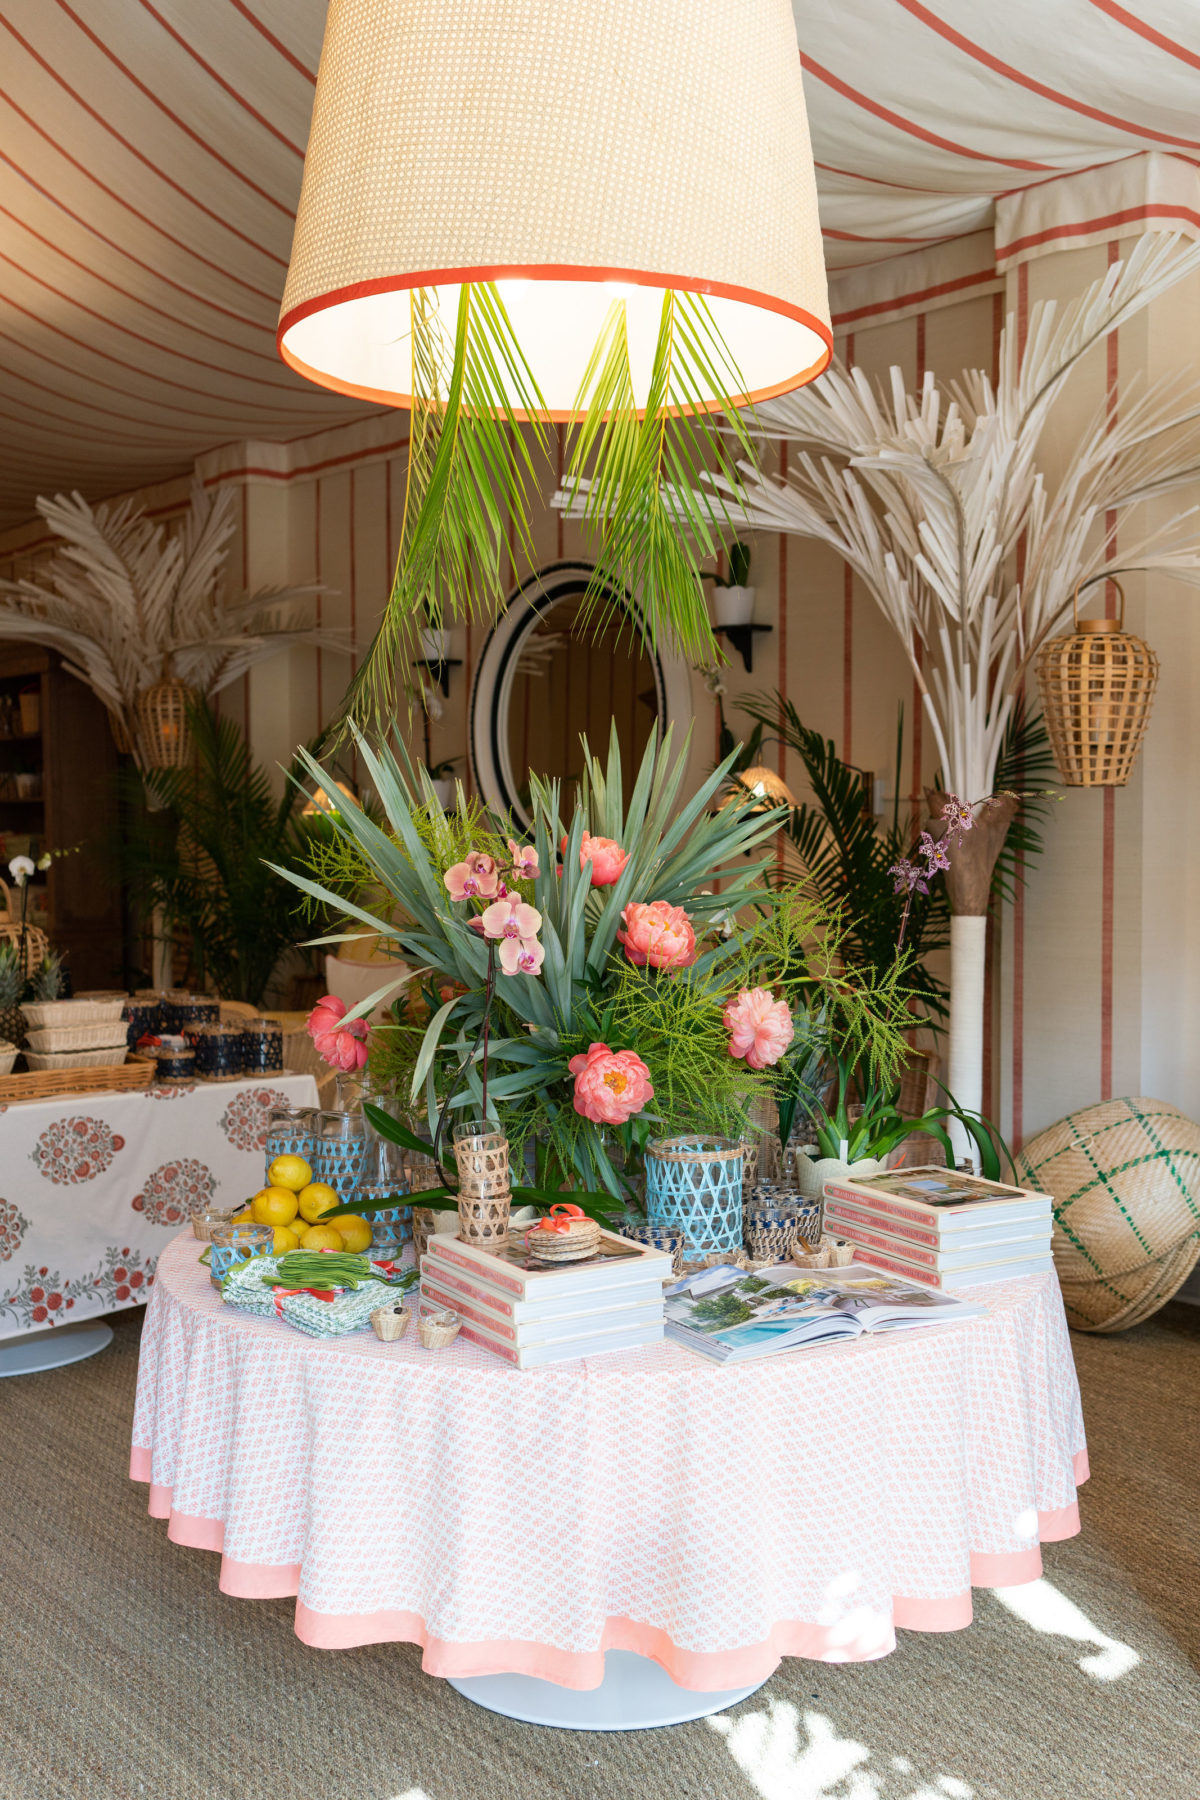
(472, 470)
(637, 482)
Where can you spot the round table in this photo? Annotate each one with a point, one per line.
(522, 1524)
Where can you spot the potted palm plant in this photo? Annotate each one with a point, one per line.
(733, 597)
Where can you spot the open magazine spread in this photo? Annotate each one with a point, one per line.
(732, 1316)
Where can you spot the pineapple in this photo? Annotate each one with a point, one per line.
(12, 987)
(48, 977)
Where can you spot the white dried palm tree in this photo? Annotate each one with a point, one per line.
(936, 501)
(126, 604)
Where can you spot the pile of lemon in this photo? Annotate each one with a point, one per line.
(292, 1203)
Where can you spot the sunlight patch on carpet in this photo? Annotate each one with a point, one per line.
(1040, 1604)
(789, 1756)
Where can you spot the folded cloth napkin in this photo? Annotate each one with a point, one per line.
(314, 1314)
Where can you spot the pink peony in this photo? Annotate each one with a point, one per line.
(341, 1046)
(474, 879)
(606, 857)
(610, 1085)
(659, 934)
(521, 955)
(760, 1027)
(511, 919)
(524, 861)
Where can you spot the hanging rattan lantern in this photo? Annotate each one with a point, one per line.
(162, 739)
(1097, 686)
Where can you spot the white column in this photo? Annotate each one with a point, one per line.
(968, 956)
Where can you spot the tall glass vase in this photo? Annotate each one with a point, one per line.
(385, 1174)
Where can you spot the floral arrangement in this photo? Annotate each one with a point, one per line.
(627, 974)
(340, 1044)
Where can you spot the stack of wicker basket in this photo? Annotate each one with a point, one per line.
(484, 1194)
(1125, 1180)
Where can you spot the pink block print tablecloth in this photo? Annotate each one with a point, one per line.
(92, 1188)
(715, 1519)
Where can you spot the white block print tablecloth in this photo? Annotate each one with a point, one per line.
(713, 1518)
(92, 1188)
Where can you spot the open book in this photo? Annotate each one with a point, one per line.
(732, 1316)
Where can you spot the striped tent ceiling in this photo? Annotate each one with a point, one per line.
(150, 160)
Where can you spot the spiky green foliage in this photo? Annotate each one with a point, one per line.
(845, 857)
(677, 849)
(471, 468)
(12, 976)
(636, 480)
(201, 857)
(49, 977)
(476, 464)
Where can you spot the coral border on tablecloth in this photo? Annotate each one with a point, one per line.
(701, 1672)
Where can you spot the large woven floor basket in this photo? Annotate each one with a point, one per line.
(1125, 1180)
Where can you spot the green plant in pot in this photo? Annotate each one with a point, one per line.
(733, 597)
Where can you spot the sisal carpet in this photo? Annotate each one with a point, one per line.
(126, 1673)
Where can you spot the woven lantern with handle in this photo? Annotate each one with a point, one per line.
(1097, 685)
(162, 738)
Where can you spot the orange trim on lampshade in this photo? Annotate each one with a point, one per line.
(649, 144)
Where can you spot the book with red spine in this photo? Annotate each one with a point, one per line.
(616, 1263)
(915, 1231)
(943, 1200)
(531, 1332)
(505, 1307)
(949, 1253)
(535, 1356)
(948, 1280)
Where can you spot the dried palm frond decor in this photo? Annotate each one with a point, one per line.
(139, 616)
(1097, 685)
(509, 221)
(927, 496)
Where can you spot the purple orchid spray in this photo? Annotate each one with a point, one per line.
(913, 877)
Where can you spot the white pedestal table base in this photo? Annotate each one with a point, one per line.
(635, 1695)
(53, 1349)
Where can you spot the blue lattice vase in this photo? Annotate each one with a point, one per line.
(341, 1153)
(694, 1186)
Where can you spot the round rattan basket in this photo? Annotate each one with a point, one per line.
(162, 739)
(1097, 685)
(1125, 1180)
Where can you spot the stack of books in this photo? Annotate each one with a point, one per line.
(942, 1228)
(532, 1313)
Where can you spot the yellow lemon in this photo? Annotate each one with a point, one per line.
(322, 1237)
(290, 1172)
(354, 1232)
(315, 1199)
(285, 1239)
(273, 1206)
(246, 1217)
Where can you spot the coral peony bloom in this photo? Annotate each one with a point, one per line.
(606, 857)
(524, 861)
(521, 956)
(475, 879)
(610, 1085)
(659, 934)
(341, 1046)
(510, 919)
(760, 1027)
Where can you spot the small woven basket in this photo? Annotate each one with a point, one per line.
(1097, 686)
(390, 1323)
(437, 1329)
(657, 1237)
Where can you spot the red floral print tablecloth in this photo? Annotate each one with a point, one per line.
(92, 1188)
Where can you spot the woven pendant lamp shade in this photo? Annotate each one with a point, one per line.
(573, 152)
(163, 739)
(1097, 685)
